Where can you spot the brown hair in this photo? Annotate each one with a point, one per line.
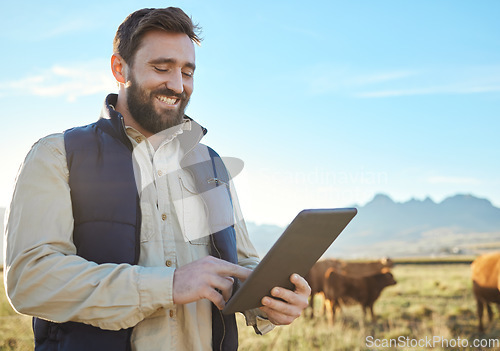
(130, 32)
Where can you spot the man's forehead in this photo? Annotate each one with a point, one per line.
(158, 44)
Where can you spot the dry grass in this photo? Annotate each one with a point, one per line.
(15, 329)
(428, 301)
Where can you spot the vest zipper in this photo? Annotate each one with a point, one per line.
(217, 181)
(220, 313)
(223, 330)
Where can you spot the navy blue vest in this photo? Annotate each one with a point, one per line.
(107, 222)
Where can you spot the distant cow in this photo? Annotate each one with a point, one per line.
(316, 275)
(364, 269)
(486, 284)
(366, 290)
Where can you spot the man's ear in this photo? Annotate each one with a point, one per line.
(118, 66)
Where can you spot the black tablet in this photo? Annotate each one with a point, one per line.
(298, 248)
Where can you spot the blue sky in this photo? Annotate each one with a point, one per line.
(327, 103)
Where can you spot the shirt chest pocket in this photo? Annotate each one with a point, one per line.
(203, 213)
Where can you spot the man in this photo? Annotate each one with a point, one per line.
(113, 227)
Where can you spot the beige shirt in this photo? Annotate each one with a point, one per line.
(45, 278)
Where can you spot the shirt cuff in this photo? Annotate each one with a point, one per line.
(258, 320)
(155, 288)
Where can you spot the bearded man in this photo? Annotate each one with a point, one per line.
(124, 234)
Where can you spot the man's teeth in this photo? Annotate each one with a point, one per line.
(167, 100)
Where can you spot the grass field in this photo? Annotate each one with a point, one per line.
(429, 302)
(15, 329)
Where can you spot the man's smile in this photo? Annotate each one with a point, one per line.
(170, 101)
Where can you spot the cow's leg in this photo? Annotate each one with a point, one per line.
(480, 314)
(372, 313)
(334, 303)
(363, 320)
(324, 304)
(311, 304)
(329, 302)
(490, 312)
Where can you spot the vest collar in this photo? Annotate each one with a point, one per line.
(112, 122)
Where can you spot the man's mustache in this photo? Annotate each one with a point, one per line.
(169, 92)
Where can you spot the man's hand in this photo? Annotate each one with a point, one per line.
(209, 278)
(285, 312)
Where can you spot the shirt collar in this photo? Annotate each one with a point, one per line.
(112, 122)
(161, 138)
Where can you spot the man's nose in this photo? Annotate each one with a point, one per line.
(175, 83)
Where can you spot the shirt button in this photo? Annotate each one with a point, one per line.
(163, 216)
(168, 263)
(171, 313)
(138, 139)
(160, 173)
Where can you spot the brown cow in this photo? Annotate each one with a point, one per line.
(366, 290)
(486, 284)
(316, 275)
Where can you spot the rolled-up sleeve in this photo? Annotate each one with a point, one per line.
(43, 275)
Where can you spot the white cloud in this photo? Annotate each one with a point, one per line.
(379, 77)
(68, 26)
(332, 79)
(450, 80)
(324, 79)
(451, 89)
(69, 82)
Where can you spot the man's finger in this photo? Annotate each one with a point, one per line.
(237, 271)
(301, 285)
(227, 293)
(224, 285)
(225, 268)
(287, 301)
(215, 296)
(277, 317)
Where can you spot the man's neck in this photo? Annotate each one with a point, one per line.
(122, 108)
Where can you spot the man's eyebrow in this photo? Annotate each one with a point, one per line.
(164, 60)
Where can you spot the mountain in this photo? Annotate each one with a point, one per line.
(263, 236)
(459, 224)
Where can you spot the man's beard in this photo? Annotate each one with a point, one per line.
(141, 107)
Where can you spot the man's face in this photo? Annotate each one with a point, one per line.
(160, 81)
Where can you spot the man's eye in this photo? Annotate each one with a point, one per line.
(188, 74)
(160, 70)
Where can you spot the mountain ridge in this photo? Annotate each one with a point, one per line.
(460, 224)
(383, 227)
